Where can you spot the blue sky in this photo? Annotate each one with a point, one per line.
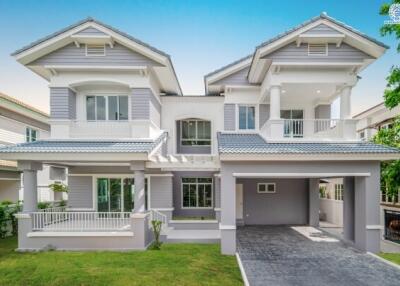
(200, 36)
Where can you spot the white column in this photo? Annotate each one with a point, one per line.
(140, 200)
(228, 213)
(275, 102)
(29, 170)
(345, 103)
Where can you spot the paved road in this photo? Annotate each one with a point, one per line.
(278, 255)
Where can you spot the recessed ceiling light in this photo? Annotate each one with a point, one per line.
(283, 91)
(318, 91)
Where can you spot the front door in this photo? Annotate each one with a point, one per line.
(239, 201)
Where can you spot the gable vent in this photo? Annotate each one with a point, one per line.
(317, 49)
(95, 50)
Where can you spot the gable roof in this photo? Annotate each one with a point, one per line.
(322, 16)
(40, 41)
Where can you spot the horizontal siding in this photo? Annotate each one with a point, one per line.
(119, 55)
(91, 32)
(161, 192)
(321, 29)
(237, 78)
(62, 103)
(140, 103)
(229, 117)
(344, 53)
(264, 114)
(80, 194)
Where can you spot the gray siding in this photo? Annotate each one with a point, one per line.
(119, 55)
(181, 149)
(90, 32)
(264, 114)
(141, 98)
(177, 181)
(321, 29)
(289, 205)
(229, 117)
(237, 78)
(80, 194)
(62, 103)
(323, 111)
(161, 192)
(344, 53)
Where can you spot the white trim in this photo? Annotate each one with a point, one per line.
(298, 175)
(196, 120)
(79, 234)
(217, 209)
(98, 45)
(266, 188)
(163, 209)
(227, 227)
(22, 216)
(197, 198)
(373, 227)
(242, 272)
(308, 157)
(256, 116)
(317, 44)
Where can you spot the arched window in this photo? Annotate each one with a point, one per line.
(195, 132)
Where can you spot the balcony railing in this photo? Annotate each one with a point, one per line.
(310, 128)
(80, 221)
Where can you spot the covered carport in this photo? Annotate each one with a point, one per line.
(358, 163)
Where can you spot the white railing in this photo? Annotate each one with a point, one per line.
(310, 128)
(156, 215)
(53, 209)
(386, 199)
(80, 221)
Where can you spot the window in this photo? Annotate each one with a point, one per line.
(95, 50)
(362, 135)
(195, 132)
(31, 134)
(197, 192)
(266, 188)
(339, 192)
(247, 115)
(317, 49)
(106, 107)
(293, 125)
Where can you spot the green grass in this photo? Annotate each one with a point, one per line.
(174, 264)
(393, 257)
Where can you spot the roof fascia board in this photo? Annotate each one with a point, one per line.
(309, 157)
(75, 156)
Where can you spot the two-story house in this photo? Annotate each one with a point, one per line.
(252, 150)
(19, 123)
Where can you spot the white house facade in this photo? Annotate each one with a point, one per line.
(252, 150)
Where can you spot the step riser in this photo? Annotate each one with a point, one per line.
(194, 226)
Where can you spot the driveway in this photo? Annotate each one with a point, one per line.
(279, 255)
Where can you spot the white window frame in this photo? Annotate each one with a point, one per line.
(339, 189)
(99, 55)
(194, 139)
(106, 96)
(266, 188)
(317, 55)
(197, 192)
(255, 117)
(28, 137)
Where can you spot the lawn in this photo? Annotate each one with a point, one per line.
(393, 257)
(175, 264)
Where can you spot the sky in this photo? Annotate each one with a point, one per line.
(200, 36)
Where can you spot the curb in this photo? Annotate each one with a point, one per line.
(384, 260)
(242, 272)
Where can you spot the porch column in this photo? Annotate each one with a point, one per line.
(140, 201)
(217, 199)
(313, 202)
(228, 213)
(29, 169)
(275, 102)
(348, 208)
(345, 103)
(367, 227)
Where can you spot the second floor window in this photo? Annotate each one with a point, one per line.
(195, 132)
(247, 117)
(101, 107)
(31, 134)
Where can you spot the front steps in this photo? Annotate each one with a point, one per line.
(191, 231)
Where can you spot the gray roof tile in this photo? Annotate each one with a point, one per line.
(255, 144)
(85, 146)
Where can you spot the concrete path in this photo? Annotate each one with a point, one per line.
(279, 255)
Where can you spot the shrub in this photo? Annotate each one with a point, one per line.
(43, 205)
(59, 188)
(157, 231)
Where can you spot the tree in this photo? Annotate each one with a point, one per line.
(392, 91)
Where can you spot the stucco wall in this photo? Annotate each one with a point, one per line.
(289, 205)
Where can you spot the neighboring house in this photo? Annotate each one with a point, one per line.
(21, 123)
(252, 150)
(373, 119)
